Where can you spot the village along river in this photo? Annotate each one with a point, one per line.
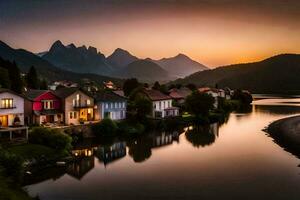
(236, 160)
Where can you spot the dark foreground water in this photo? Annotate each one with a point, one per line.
(236, 160)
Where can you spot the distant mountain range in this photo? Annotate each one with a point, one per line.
(89, 60)
(180, 65)
(26, 59)
(278, 74)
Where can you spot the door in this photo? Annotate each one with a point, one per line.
(4, 120)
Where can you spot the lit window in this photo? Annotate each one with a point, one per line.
(78, 97)
(88, 102)
(7, 103)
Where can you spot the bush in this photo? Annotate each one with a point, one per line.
(105, 127)
(53, 138)
(11, 165)
(130, 129)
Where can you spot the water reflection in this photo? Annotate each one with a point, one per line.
(140, 149)
(251, 163)
(201, 136)
(109, 153)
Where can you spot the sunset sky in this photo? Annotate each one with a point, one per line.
(213, 32)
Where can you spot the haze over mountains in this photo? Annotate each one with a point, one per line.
(278, 74)
(89, 60)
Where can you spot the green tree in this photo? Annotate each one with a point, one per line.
(199, 104)
(142, 107)
(32, 78)
(129, 85)
(4, 80)
(243, 96)
(191, 86)
(43, 84)
(156, 86)
(15, 78)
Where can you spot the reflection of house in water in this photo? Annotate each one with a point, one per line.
(108, 154)
(164, 139)
(83, 164)
(140, 149)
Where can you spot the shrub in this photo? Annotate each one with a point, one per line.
(105, 127)
(11, 164)
(53, 138)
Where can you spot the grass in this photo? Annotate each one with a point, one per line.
(11, 192)
(30, 151)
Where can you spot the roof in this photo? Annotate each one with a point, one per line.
(119, 92)
(207, 89)
(155, 95)
(180, 93)
(32, 94)
(65, 92)
(104, 96)
(2, 90)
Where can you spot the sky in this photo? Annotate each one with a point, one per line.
(213, 32)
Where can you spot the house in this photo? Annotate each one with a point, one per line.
(180, 94)
(78, 106)
(111, 153)
(161, 104)
(43, 107)
(11, 108)
(211, 91)
(110, 105)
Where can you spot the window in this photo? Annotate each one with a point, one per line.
(116, 105)
(48, 104)
(111, 105)
(106, 105)
(75, 115)
(88, 102)
(120, 105)
(71, 115)
(7, 103)
(123, 104)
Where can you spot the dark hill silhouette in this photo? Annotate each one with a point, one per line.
(278, 74)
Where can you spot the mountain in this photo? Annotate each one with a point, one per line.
(278, 74)
(77, 59)
(26, 59)
(144, 70)
(180, 65)
(120, 58)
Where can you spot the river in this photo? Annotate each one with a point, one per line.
(235, 160)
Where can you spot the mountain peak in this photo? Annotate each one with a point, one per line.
(181, 55)
(57, 45)
(71, 46)
(92, 50)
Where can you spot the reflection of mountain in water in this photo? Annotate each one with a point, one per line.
(201, 136)
(111, 153)
(140, 148)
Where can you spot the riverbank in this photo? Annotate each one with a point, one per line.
(286, 133)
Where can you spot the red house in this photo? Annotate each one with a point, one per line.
(43, 106)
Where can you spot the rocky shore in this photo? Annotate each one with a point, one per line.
(286, 133)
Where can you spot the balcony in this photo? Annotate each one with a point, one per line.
(78, 106)
(8, 107)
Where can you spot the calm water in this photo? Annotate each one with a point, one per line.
(236, 160)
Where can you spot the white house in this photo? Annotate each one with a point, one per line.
(110, 105)
(211, 91)
(161, 104)
(11, 108)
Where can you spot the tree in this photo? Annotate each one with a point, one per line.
(199, 104)
(4, 79)
(15, 78)
(243, 96)
(191, 86)
(142, 106)
(129, 85)
(44, 84)
(156, 86)
(32, 78)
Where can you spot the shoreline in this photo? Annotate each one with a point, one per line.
(286, 133)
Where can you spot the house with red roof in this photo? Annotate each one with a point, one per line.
(161, 104)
